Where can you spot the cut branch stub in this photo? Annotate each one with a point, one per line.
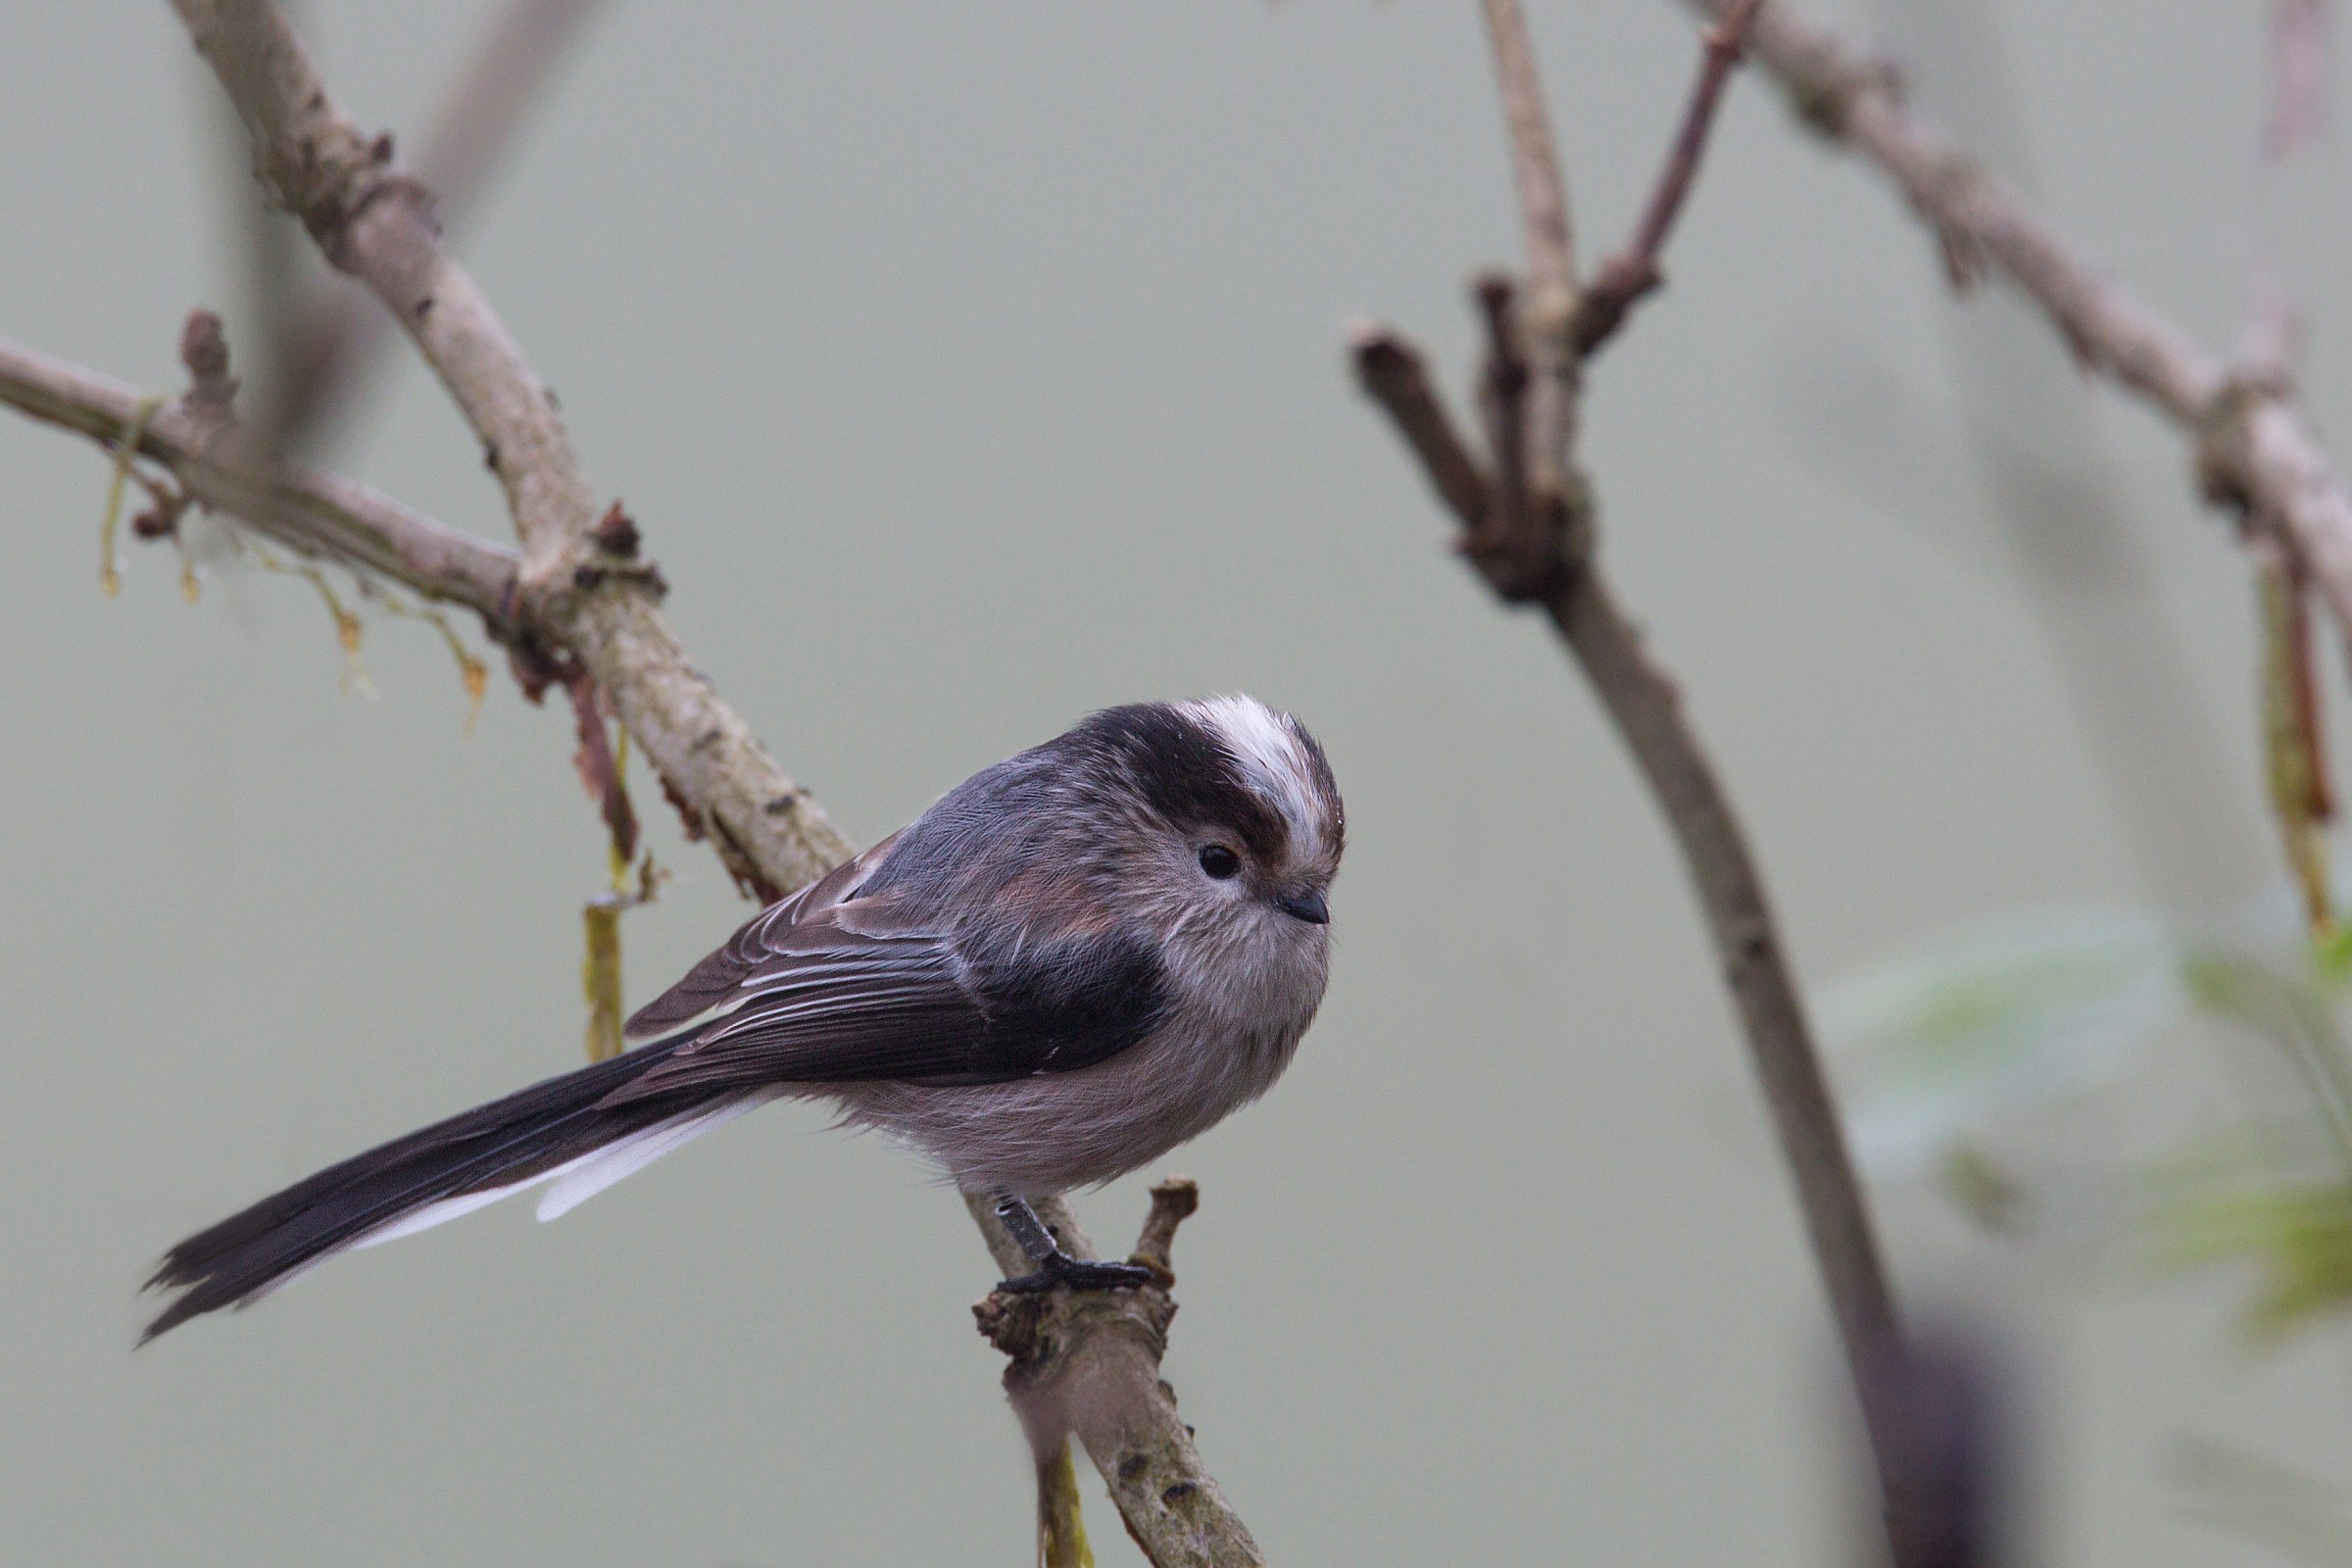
(1173, 1201)
(1392, 375)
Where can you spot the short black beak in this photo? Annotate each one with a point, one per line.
(1307, 906)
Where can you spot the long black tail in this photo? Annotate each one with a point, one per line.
(492, 1146)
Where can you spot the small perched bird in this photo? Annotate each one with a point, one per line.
(1072, 962)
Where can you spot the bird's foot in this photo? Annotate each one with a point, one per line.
(1059, 1271)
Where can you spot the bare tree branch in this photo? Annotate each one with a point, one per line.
(330, 343)
(1633, 272)
(1535, 161)
(1087, 1363)
(375, 222)
(2254, 448)
(1391, 370)
(1645, 705)
(315, 513)
(1096, 1355)
(1551, 286)
(1533, 541)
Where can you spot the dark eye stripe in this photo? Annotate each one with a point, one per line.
(1187, 774)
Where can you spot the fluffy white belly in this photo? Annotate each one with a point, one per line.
(1035, 1137)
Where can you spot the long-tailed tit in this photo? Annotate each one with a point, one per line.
(1072, 962)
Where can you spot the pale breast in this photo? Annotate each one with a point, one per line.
(1056, 1132)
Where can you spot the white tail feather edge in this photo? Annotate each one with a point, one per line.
(575, 1180)
(584, 1178)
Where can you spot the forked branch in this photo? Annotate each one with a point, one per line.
(375, 221)
(1528, 529)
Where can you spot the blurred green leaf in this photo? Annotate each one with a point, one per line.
(2280, 1507)
(1982, 1187)
(2298, 1233)
(2023, 1008)
(2332, 955)
(2292, 1013)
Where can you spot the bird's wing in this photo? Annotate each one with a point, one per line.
(715, 985)
(861, 990)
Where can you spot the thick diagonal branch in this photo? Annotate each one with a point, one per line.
(375, 222)
(329, 344)
(2253, 448)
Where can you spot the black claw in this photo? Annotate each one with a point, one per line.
(1063, 1272)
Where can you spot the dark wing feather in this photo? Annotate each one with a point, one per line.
(857, 992)
(722, 975)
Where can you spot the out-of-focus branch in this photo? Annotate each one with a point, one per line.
(330, 343)
(1391, 371)
(2253, 447)
(1944, 1402)
(1535, 163)
(1088, 1364)
(1633, 272)
(582, 591)
(375, 221)
(1645, 705)
(1551, 305)
(1530, 534)
(315, 513)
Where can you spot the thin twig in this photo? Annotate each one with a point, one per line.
(1647, 707)
(1534, 544)
(1391, 371)
(1174, 1199)
(2293, 747)
(580, 591)
(1535, 159)
(1633, 272)
(315, 513)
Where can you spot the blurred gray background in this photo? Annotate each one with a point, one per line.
(974, 366)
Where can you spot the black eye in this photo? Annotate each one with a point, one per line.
(1220, 861)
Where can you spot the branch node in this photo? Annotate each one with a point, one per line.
(1823, 100)
(2223, 439)
(1530, 539)
(204, 349)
